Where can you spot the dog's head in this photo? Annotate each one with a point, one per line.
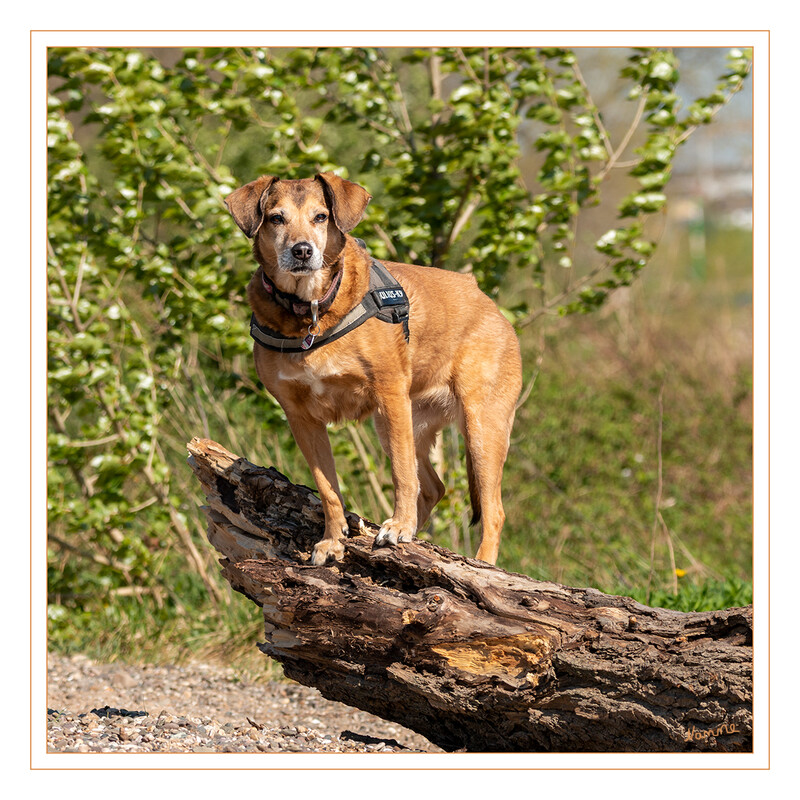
(299, 225)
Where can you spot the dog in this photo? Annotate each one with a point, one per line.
(341, 336)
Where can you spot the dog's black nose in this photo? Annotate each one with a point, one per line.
(302, 251)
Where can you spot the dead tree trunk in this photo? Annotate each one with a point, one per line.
(468, 655)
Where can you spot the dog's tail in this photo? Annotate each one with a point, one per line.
(474, 492)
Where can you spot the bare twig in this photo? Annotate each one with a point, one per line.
(190, 146)
(71, 296)
(386, 239)
(465, 63)
(615, 156)
(398, 105)
(86, 484)
(563, 295)
(467, 207)
(598, 121)
(692, 128)
(526, 393)
(658, 520)
(95, 442)
(377, 489)
(97, 558)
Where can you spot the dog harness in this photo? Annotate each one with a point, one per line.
(386, 299)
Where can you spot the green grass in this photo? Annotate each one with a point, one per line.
(582, 478)
(667, 369)
(706, 596)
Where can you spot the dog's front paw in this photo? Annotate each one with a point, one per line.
(326, 550)
(393, 531)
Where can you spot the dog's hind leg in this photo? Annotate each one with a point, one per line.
(487, 436)
(431, 488)
(487, 415)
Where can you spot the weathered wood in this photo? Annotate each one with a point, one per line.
(469, 655)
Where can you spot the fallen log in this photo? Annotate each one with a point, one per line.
(470, 656)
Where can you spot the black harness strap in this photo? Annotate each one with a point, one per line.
(386, 299)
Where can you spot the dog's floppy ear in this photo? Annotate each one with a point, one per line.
(246, 204)
(347, 200)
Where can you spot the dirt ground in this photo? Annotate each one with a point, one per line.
(200, 708)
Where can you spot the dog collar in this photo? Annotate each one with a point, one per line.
(386, 299)
(296, 305)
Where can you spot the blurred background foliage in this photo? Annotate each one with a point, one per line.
(544, 172)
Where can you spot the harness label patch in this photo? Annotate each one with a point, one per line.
(389, 297)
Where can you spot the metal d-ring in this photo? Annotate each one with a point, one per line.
(313, 328)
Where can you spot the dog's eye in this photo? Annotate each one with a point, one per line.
(276, 219)
(320, 218)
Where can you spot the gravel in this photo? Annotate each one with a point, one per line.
(119, 708)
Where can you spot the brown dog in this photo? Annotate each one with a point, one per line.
(437, 351)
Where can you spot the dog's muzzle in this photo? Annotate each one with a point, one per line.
(301, 257)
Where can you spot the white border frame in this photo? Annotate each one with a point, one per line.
(759, 40)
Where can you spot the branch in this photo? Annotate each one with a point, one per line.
(615, 156)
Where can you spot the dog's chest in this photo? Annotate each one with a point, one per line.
(318, 376)
(317, 380)
(331, 388)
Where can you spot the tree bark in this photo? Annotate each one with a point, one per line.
(468, 655)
